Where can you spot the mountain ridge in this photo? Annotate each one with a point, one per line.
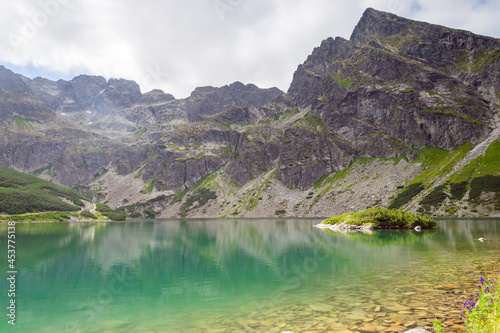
(396, 95)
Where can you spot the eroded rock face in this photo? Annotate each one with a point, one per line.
(18, 99)
(361, 87)
(210, 100)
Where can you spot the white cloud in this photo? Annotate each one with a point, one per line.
(178, 45)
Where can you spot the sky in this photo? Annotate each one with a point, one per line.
(178, 45)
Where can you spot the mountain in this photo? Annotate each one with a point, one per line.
(403, 114)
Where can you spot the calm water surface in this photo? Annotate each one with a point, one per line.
(244, 275)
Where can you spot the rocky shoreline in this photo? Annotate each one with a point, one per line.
(343, 227)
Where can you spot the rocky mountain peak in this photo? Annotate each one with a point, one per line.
(11, 83)
(207, 101)
(156, 96)
(18, 99)
(119, 94)
(462, 55)
(375, 23)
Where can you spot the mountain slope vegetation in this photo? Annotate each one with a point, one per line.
(21, 193)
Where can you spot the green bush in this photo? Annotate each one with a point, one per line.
(110, 213)
(483, 184)
(87, 214)
(435, 198)
(458, 190)
(100, 207)
(150, 213)
(201, 195)
(381, 218)
(115, 216)
(406, 195)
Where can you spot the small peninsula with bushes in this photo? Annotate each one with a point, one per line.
(377, 218)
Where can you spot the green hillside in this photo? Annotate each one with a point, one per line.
(473, 186)
(22, 193)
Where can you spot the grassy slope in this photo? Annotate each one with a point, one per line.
(437, 162)
(27, 198)
(22, 193)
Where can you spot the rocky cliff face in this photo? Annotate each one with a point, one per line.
(74, 131)
(399, 85)
(210, 101)
(402, 105)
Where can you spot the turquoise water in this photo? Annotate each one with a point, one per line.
(255, 275)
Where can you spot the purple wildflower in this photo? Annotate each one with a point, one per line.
(481, 280)
(469, 305)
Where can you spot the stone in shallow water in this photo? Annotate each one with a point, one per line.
(448, 287)
(399, 318)
(395, 329)
(410, 324)
(356, 316)
(321, 307)
(398, 307)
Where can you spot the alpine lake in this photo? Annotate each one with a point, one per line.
(242, 275)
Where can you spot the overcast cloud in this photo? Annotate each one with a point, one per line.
(177, 45)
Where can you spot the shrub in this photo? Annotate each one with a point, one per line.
(280, 212)
(87, 214)
(110, 213)
(404, 197)
(100, 207)
(435, 198)
(458, 190)
(381, 218)
(201, 196)
(150, 213)
(486, 183)
(116, 216)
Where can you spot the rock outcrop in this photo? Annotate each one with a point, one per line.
(210, 100)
